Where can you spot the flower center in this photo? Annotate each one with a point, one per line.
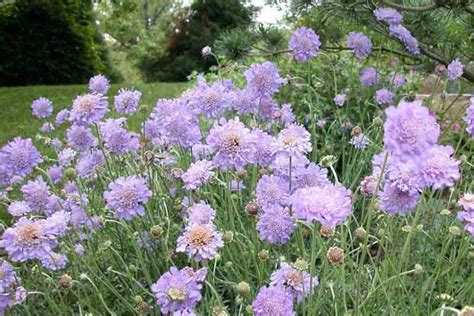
(232, 142)
(295, 278)
(86, 104)
(129, 197)
(199, 236)
(176, 294)
(29, 235)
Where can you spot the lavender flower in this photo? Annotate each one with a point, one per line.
(117, 139)
(201, 241)
(455, 69)
(360, 141)
(263, 79)
(272, 190)
(275, 224)
(81, 137)
(297, 282)
(404, 174)
(66, 156)
(28, 239)
(368, 186)
(330, 205)
(284, 115)
(127, 101)
(200, 213)
(54, 261)
(245, 101)
(384, 96)
(18, 208)
(273, 300)
(398, 80)
(395, 201)
(439, 169)
(468, 218)
(19, 157)
(126, 196)
(403, 35)
(281, 164)
(309, 176)
(304, 44)
(369, 77)
(89, 163)
(88, 109)
(340, 99)
(36, 194)
(42, 108)
(99, 84)
(409, 128)
(7, 276)
(198, 174)
(211, 101)
(294, 140)
(62, 116)
(262, 147)
(230, 140)
(47, 128)
(178, 290)
(360, 44)
(467, 202)
(469, 117)
(55, 173)
(388, 15)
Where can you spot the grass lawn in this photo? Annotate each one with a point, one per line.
(15, 104)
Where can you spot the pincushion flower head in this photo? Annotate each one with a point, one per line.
(360, 44)
(230, 140)
(89, 163)
(388, 15)
(296, 281)
(294, 140)
(395, 201)
(211, 100)
(28, 239)
(384, 96)
(340, 99)
(304, 43)
(245, 101)
(127, 101)
(330, 205)
(198, 174)
(469, 117)
(467, 216)
(467, 202)
(398, 80)
(18, 208)
(273, 300)
(19, 157)
(360, 141)
(178, 290)
(410, 129)
(55, 173)
(127, 196)
(438, 169)
(36, 193)
(62, 117)
(42, 108)
(7, 275)
(99, 84)
(272, 190)
(263, 79)
(309, 176)
(80, 137)
(369, 77)
(275, 224)
(200, 213)
(404, 174)
(200, 241)
(88, 109)
(403, 35)
(262, 147)
(455, 69)
(116, 138)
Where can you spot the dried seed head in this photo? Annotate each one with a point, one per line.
(176, 173)
(149, 156)
(252, 209)
(241, 174)
(356, 131)
(335, 255)
(65, 281)
(304, 232)
(242, 289)
(360, 233)
(142, 308)
(327, 231)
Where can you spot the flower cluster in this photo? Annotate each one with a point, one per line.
(304, 44)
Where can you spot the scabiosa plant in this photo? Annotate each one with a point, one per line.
(47, 128)
(62, 117)
(294, 140)
(88, 109)
(395, 201)
(439, 170)
(368, 186)
(245, 101)
(369, 77)
(80, 137)
(211, 100)
(304, 44)
(66, 156)
(116, 138)
(42, 107)
(178, 290)
(99, 84)
(340, 99)
(273, 300)
(360, 141)
(275, 224)
(467, 202)
(330, 205)
(469, 117)
(198, 174)
(403, 35)
(272, 190)
(388, 15)
(296, 281)
(200, 241)
(262, 147)
(28, 239)
(36, 194)
(89, 163)
(263, 79)
(309, 176)
(200, 213)
(230, 140)
(55, 173)
(409, 128)
(54, 261)
(398, 80)
(455, 69)
(19, 157)
(18, 208)
(127, 101)
(127, 197)
(360, 44)
(284, 115)
(384, 96)
(7, 275)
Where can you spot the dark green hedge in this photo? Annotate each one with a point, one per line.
(49, 42)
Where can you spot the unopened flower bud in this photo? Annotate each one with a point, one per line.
(156, 231)
(176, 173)
(377, 121)
(70, 173)
(138, 299)
(219, 311)
(445, 298)
(263, 255)
(335, 255)
(241, 174)
(249, 309)
(228, 236)
(149, 156)
(229, 264)
(304, 232)
(143, 108)
(418, 269)
(301, 265)
(360, 233)
(242, 289)
(252, 209)
(454, 230)
(65, 281)
(328, 161)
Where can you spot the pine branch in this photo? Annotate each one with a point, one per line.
(400, 7)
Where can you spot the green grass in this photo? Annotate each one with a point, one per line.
(15, 104)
